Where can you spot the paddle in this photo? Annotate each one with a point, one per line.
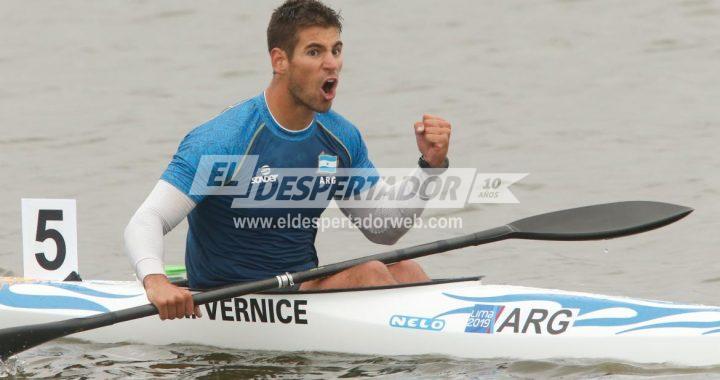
(603, 221)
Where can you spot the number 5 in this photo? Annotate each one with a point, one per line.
(43, 233)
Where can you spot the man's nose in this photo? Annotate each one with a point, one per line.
(331, 62)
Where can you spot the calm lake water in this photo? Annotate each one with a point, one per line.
(599, 101)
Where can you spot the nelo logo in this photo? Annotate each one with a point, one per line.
(420, 323)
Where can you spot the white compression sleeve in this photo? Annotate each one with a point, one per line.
(162, 210)
(386, 209)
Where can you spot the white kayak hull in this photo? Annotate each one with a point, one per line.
(460, 318)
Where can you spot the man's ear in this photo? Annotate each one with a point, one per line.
(279, 61)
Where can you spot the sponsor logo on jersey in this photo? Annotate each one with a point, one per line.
(265, 175)
(264, 170)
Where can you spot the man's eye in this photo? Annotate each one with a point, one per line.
(336, 52)
(313, 52)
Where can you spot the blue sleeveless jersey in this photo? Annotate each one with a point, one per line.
(217, 252)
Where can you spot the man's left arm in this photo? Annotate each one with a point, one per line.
(433, 138)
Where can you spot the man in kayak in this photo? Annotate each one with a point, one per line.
(289, 125)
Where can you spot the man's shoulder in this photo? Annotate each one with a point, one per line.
(339, 126)
(234, 124)
(347, 135)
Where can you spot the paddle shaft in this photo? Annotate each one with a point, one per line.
(488, 236)
(483, 237)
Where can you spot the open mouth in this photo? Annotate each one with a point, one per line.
(328, 87)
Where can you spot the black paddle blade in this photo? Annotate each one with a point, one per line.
(604, 221)
(14, 340)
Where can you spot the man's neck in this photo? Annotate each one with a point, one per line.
(286, 110)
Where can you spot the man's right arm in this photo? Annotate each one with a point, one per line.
(164, 208)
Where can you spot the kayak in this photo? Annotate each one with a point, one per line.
(454, 317)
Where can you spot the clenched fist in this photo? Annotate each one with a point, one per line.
(433, 138)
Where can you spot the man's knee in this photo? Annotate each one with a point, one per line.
(372, 267)
(407, 271)
(407, 266)
(372, 273)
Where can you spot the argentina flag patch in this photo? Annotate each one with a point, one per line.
(327, 163)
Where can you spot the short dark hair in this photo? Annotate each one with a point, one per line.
(293, 15)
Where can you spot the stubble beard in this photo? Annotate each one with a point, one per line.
(296, 91)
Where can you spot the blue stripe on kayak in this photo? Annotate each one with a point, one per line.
(28, 301)
(693, 325)
(88, 292)
(463, 310)
(586, 305)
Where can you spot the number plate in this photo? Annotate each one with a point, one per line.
(49, 230)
